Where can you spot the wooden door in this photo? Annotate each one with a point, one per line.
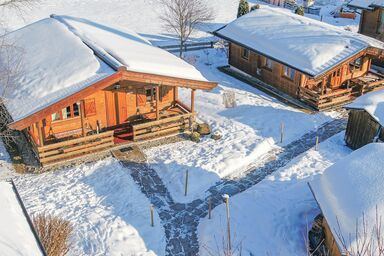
(121, 107)
(110, 107)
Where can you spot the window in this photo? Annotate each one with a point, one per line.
(268, 63)
(67, 113)
(289, 73)
(245, 53)
(150, 94)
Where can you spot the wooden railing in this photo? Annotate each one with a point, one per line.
(74, 148)
(325, 101)
(166, 126)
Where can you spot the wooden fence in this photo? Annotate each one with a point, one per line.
(322, 102)
(166, 126)
(70, 149)
(191, 46)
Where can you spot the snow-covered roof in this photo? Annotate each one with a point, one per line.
(350, 188)
(59, 56)
(366, 4)
(373, 103)
(16, 237)
(305, 44)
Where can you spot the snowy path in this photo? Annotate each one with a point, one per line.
(180, 221)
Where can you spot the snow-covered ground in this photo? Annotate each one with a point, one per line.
(273, 217)
(109, 213)
(250, 130)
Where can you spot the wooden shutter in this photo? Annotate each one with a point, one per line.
(89, 107)
(141, 97)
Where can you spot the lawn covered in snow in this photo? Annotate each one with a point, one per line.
(273, 217)
(250, 131)
(109, 213)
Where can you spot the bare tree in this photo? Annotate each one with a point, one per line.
(183, 16)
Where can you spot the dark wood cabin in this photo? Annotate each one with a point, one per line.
(365, 121)
(339, 81)
(372, 18)
(123, 107)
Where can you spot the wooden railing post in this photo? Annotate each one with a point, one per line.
(193, 100)
(82, 116)
(157, 103)
(40, 133)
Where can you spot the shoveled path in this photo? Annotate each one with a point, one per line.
(181, 220)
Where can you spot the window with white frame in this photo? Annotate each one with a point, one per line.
(289, 72)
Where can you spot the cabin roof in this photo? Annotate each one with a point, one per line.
(15, 233)
(61, 55)
(305, 44)
(350, 188)
(373, 103)
(366, 4)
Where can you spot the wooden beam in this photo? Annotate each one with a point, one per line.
(40, 134)
(167, 80)
(58, 106)
(82, 117)
(157, 103)
(193, 100)
(323, 85)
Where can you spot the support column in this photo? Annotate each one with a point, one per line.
(82, 117)
(40, 134)
(323, 85)
(193, 100)
(157, 103)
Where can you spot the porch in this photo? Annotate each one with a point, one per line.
(175, 119)
(323, 97)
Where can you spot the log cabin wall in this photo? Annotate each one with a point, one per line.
(106, 108)
(370, 22)
(256, 65)
(361, 129)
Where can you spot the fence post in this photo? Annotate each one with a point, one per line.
(317, 143)
(281, 132)
(152, 221)
(209, 208)
(186, 183)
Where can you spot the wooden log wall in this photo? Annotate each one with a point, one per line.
(361, 129)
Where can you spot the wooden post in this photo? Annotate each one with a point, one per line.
(317, 143)
(323, 85)
(193, 100)
(40, 133)
(186, 183)
(176, 93)
(226, 200)
(82, 117)
(157, 103)
(152, 221)
(209, 208)
(281, 132)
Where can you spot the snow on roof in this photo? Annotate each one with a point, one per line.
(16, 237)
(131, 50)
(367, 4)
(350, 188)
(308, 45)
(373, 103)
(59, 56)
(52, 64)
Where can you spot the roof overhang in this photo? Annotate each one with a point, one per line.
(120, 75)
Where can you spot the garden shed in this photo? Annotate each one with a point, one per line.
(366, 120)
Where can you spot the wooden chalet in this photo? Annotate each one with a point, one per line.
(93, 87)
(350, 197)
(372, 17)
(317, 63)
(366, 120)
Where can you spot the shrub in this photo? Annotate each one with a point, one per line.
(195, 137)
(243, 8)
(54, 234)
(300, 11)
(255, 7)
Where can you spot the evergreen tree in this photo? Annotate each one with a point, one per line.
(243, 8)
